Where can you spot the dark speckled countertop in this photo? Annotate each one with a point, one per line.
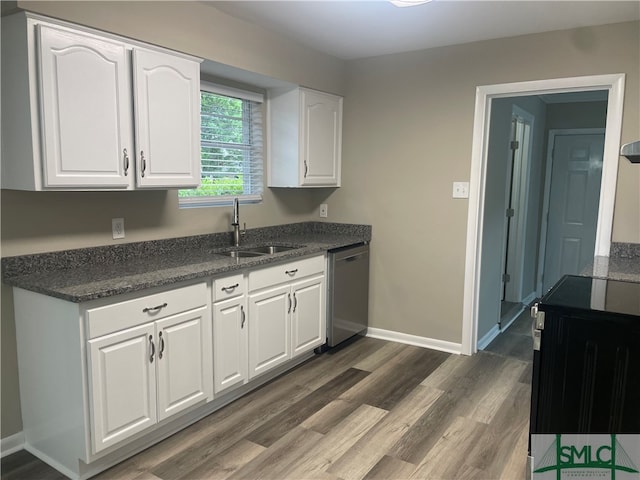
(90, 273)
(622, 264)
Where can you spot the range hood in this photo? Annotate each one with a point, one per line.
(631, 151)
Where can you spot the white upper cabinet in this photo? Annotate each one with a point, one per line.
(86, 116)
(167, 107)
(305, 138)
(85, 110)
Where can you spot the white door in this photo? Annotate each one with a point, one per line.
(167, 108)
(573, 205)
(308, 325)
(122, 385)
(321, 141)
(181, 360)
(269, 342)
(230, 362)
(86, 122)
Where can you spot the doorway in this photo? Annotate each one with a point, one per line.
(614, 85)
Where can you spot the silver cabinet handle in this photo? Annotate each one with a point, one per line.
(153, 349)
(306, 169)
(161, 346)
(144, 163)
(291, 272)
(295, 302)
(230, 288)
(289, 309)
(244, 317)
(125, 157)
(154, 309)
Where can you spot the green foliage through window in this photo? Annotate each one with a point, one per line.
(231, 147)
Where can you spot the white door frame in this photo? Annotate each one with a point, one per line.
(547, 191)
(614, 84)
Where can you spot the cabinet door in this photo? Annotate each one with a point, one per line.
(122, 385)
(167, 108)
(230, 362)
(85, 99)
(181, 361)
(308, 323)
(321, 139)
(269, 343)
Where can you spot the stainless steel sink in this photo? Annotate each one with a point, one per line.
(270, 249)
(240, 253)
(258, 251)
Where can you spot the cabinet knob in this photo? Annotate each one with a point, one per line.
(289, 297)
(306, 169)
(154, 309)
(295, 302)
(161, 346)
(143, 161)
(230, 288)
(153, 349)
(244, 317)
(125, 158)
(291, 272)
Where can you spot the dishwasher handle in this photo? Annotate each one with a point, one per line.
(350, 254)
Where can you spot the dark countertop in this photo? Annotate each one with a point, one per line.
(88, 274)
(623, 264)
(593, 294)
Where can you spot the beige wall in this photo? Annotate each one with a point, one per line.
(408, 136)
(46, 221)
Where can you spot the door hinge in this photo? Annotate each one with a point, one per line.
(514, 145)
(506, 277)
(510, 212)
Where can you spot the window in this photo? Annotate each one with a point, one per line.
(231, 147)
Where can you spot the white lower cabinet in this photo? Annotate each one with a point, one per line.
(229, 344)
(121, 372)
(308, 327)
(269, 329)
(123, 386)
(286, 312)
(142, 375)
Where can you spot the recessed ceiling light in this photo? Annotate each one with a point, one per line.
(408, 3)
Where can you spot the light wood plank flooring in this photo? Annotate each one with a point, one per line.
(370, 410)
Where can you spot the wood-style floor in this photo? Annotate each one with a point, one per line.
(370, 410)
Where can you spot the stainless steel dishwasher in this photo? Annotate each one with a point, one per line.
(348, 293)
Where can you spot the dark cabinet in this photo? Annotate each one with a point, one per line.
(586, 372)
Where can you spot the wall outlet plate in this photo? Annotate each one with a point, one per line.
(324, 210)
(460, 189)
(117, 228)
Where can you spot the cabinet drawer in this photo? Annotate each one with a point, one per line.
(286, 272)
(127, 314)
(228, 287)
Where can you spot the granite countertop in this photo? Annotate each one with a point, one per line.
(623, 264)
(91, 273)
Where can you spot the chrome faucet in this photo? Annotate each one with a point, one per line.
(235, 223)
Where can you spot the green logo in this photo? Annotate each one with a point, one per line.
(585, 456)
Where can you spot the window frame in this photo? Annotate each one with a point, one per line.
(226, 200)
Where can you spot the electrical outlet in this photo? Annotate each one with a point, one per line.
(324, 210)
(460, 189)
(117, 228)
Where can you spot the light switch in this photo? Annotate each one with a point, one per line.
(460, 189)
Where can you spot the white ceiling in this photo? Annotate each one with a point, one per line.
(365, 28)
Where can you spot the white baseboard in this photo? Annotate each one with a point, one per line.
(433, 343)
(528, 300)
(488, 337)
(11, 444)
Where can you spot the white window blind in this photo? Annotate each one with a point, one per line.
(231, 147)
